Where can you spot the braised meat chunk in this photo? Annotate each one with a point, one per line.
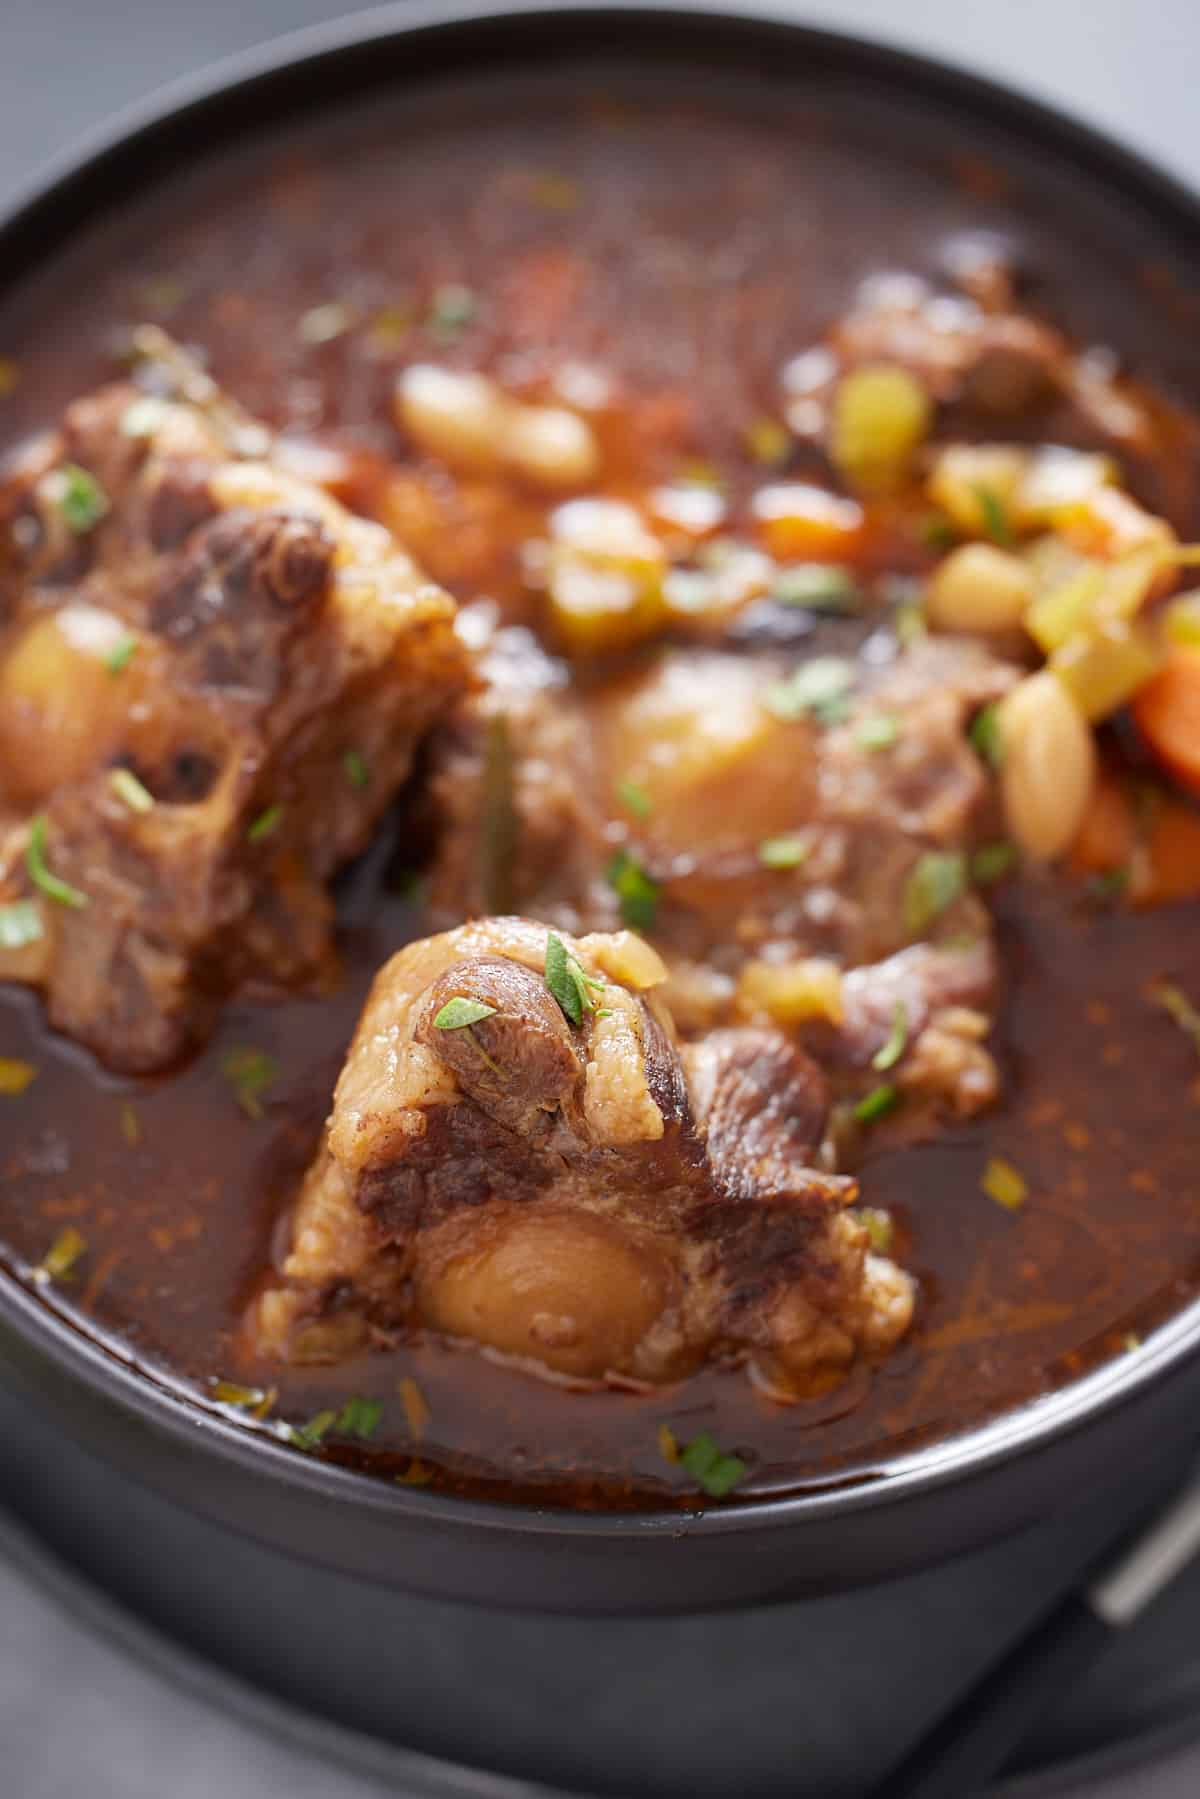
(521, 1156)
(213, 680)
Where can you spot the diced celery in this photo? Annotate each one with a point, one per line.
(1103, 669)
(1065, 610)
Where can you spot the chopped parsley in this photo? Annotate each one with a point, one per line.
(897, 1041)
(636, 892)
(820, 688)
(121, 654)
(937, 532)
(20, 924)
(568, 983)
(878, 731)
(79, 497)
(40, 874)
(937, 880)
(709, 1466)
(635, 799)
(451, 310)
(129, 789)
(265, 824)
(460, 1013)
(359, 1417)
(1005, 1184)
(986, 735)
(877, 1103)
(1108, 885)
(1175, 1002)
(357, 772)
(817, 587)
(995, 517)
(59, 1261)
(250, 1072)
(992, 861)
(909, 623)
(15, 1076)
(783, 852)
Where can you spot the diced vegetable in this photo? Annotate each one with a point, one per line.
(1182, 620)
(250, 1072)
(818, 587)
(881, 415)
(897, 1040)
(1056, 478)
(21, 923)
(41, 875)
(1005, 1184)
(1049, 765)
(1169, 867)
(979, 588)
(878, 731)
(820, 688)
(130, 791)
(799, 522)
(15, 1076)
(985, 734)
(416, 1408)
(59, 1261)
(792, 992)
(879, 1228)
(605, 578)
(1168, 714)
(991, 862)
(1103, 669)
(1109, 523)
(768, 441)
(975, 483)
(710, 1468)
(783, 852)
(265, 825)
(1065, 610)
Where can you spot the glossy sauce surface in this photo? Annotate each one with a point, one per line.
(688, 249)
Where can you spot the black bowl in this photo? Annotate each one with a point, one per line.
(973, 1488)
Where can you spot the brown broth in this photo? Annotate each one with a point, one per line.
(718, 237)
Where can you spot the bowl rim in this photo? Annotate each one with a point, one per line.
(36, 220)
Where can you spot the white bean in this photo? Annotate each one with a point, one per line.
(1049, 765)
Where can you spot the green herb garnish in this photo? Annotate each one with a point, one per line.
(39, 873)
(265, 824)
(783, 852)
(987, 735)
(459, 1013)
(60, 1259)
(937, 880)
(121, 654)
(1106, 887)
(821, 688)
(897, 1041)
(308, 1436)
(79, 497)
(250, 1072)
(130, 791)
(709, 1466)
(768, 441)
(450, 311)
(565, 978)
(357, 772)
(878, 731)
(635, 799)
(817, 587)
(909, 624)
(637, 893)
(879, 1228)
(992, 861)
(20, 924)
(937, 532)
(877, 1103)
(995, 517)
(359, 1417)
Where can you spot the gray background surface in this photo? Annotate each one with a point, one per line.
(76, 1714)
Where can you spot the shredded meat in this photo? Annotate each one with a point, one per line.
(262, 666)
(589, 1200)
